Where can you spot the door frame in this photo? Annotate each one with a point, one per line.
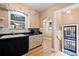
(55, 22)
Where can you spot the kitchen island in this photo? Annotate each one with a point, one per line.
(13, 43)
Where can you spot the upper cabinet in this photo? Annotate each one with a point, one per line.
(34, 20)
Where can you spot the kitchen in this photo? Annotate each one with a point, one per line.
(24, 29)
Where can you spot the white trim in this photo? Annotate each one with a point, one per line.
(8, 18)
(77, 40)
(29, 24)
(62, 40)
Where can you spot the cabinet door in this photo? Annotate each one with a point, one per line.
(40, 39)
(35, 41)
(15, 46)
(35, 22)
(21, 45)
(31, 42)
(1, 47)
(24, 45)
(9, 47)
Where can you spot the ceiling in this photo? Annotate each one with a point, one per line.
(40, 6)
(43, 6)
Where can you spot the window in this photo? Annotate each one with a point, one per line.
(17, 17)
(17, 20)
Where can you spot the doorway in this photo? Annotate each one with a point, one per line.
(70, 39)
(68, 18)
(48, 34)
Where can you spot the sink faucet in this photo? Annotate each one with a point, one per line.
(14, 26)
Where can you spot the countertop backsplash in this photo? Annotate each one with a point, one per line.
(8, 30)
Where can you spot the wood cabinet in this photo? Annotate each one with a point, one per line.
(34, 41)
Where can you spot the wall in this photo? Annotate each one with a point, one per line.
(4, 22)
(72, 17)
(33, 15)
(64, 19)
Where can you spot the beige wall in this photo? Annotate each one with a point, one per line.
(64, 19)
(72, 17)
(33, 15)
(3, 15)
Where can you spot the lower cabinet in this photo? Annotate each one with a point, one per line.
(14, 46)
(34, 41)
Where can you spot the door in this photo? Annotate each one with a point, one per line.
(48, 33)
(70, 38)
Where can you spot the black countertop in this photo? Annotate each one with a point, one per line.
(30, 34)
(9, 35)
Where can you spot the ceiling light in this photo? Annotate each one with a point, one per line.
(68, 11)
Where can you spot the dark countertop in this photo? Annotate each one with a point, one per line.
(14, 35)
(33, 34)
(26, 33)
